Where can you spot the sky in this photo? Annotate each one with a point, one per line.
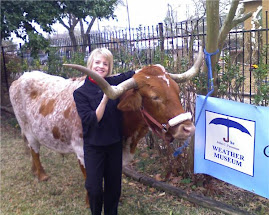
(141, 12)
(147, 12)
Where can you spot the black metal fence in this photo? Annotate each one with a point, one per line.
(174, 46)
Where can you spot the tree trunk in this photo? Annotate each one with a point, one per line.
(72, 22)
(212, 20)
(190, 158)
(83, 36)
(215, 36)
(73, 39)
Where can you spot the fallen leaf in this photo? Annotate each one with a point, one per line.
(158, 177)
(152, 189)
(176, 180)
(145, 155)
(162, 194)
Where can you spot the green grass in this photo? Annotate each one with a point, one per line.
(64, 192)
(21, 193)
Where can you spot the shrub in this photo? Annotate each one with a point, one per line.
(260, 73)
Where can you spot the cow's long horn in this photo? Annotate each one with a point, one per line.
(183, 77)
(112, 92)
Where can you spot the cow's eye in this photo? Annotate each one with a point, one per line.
(155, 98)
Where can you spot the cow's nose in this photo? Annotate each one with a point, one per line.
(183, 131)
(189, 129)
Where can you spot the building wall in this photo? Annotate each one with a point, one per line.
(251, 6)
(258, 41)
(265, 7)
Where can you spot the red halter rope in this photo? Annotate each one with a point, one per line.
(163, 128)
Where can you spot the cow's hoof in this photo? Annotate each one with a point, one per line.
(43, 177)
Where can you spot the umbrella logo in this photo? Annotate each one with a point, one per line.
(229, 124)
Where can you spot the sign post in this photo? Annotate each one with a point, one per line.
(232, 143)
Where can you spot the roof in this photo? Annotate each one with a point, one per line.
(244, 1)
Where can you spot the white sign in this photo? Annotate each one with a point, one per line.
(230, 142)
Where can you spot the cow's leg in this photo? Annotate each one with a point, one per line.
(37, 168)
(83, 170)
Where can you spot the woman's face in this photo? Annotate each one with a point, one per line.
(100, 65)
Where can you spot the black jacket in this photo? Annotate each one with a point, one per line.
(87, 98)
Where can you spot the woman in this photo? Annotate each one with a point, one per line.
(102, 134)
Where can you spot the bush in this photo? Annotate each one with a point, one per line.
(260, 73)
(231, 80)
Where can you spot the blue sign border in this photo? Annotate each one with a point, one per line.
(259, 182)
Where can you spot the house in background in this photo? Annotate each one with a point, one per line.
(255, 42)
(252, 6)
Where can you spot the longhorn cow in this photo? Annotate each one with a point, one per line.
(47, 115)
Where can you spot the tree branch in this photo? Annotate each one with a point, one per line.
(232, 12)
(241, 19)
(191, 197)
(8, 110)
(90, 25)
(230, 22)
(62, 22)
(227, 26)
(74, 22)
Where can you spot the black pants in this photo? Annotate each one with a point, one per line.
(103, 162)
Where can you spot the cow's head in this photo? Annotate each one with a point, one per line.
(157, 98)
(155, 93)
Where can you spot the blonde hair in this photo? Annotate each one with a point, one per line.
(104, 52)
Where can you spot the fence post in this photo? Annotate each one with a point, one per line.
(161, 41)
(89, 42)
(21, 54)
(5, 68)
(266, 45)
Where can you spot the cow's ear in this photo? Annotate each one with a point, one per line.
(130, 101)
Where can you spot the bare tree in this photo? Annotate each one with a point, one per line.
(84, 34)
(70, 26)
(216, 36)
(73, 12)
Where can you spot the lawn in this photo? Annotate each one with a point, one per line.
(64, 192)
